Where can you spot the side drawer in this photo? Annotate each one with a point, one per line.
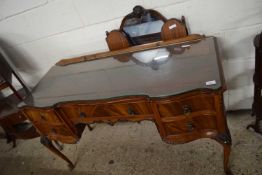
(185, 104)
(44, 116)
(189, 124)
(183, 129)
(57, 132)
(48, 123)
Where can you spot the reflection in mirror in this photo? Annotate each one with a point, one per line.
(155, 57)
(143, 26)
(179, 49)
(152, 58)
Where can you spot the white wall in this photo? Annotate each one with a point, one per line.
(38, 33)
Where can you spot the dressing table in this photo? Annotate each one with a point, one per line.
(183, 97)
(180, 90)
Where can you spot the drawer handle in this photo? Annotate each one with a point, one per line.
(131, 111)
(42, 116)
(82, 115)
(190, 126)
(187, 110)
(53, 131)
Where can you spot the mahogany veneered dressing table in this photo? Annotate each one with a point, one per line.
(183, 96)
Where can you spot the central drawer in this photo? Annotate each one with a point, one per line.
(122, 109)
(90, 111)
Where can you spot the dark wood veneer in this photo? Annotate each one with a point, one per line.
(174, 122)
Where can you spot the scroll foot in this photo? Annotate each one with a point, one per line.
(71, 167)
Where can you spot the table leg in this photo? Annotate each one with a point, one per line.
(227, 150)
(49, 145)
(225, 140)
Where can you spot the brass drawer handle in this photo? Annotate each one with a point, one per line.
(187, 109)
(190, 126)
(82, 115)
(42, 116)
(131, 111)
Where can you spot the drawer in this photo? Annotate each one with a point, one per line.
(122, 109)
(52, 130)
(185, 104)
(48, 123)
(189, 124)
(77, 110)
(42, 116)
(58, 132)
(80, 111)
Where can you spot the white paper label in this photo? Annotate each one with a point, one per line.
(209, 83)
(172, 26)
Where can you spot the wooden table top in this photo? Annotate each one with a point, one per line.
(196, 68)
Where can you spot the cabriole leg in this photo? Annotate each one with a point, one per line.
(227, 150)
(49, 145)
(225, 140)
